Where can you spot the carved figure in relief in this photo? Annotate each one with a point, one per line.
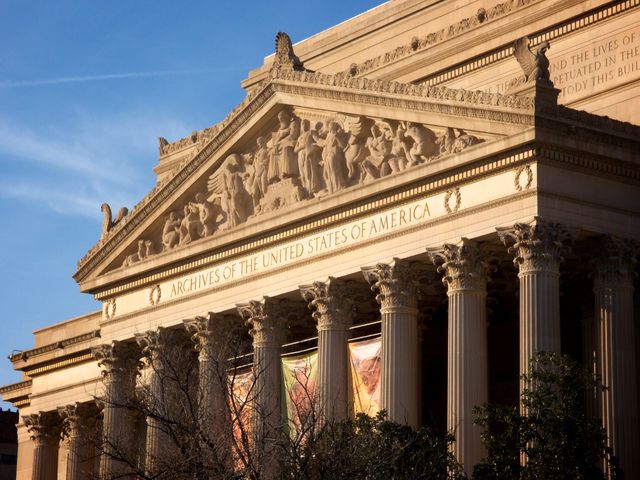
(107, 222)
(452, 143)
(356, 151)
(148, 248)
(424, 143)
(141, 254)
(379, 144)
(284, 142)
(207, 214)
(534, 65)
(309, 158)
(333, 159)
(261, 162)
(190, 225)
(171, 232)
(236, 199)
(399, 150)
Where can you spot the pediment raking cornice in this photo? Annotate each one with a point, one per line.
(505, 109)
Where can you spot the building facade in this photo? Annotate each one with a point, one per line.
(460, 180)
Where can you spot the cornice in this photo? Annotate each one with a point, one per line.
(15, 386)
(79, 357)
(211, 139)
(419, 44)
(475, 104)
(554, 32)
(27, 354)
(628, 172)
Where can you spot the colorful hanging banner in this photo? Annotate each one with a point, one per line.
(241, 391)
(299, 391)
(365, 375)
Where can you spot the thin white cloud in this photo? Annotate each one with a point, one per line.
(65, 202)
(103, 77)
(50, 149)
(71, 169)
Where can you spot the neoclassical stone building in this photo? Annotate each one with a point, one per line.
(460, 180)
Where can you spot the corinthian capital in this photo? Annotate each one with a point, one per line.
(43, 426)
(158, 341)
(616, 264)
(331, 301)
(117, 358)
(535, 246)
(266, 319)
(395, 282)
(78, 419)
(462, 266)
(212, 333)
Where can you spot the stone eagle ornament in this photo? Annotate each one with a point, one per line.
(107, 222)
(285, 58)
(534, 65)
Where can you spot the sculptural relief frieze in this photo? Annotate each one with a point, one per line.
(303, 156)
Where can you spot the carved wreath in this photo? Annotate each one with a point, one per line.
(155, 294)
(526, 169)
(110, 309)
(447, 200)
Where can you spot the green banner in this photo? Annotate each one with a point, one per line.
(299, 392)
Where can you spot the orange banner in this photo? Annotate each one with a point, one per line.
(365, 375)
(241, 383)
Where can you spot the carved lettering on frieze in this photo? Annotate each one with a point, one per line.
(306, 156)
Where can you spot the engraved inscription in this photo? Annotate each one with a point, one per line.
(595, 67)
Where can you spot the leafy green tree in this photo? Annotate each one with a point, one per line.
(551, 438)
(372, 448)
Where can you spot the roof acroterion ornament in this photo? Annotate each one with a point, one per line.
(285, 58)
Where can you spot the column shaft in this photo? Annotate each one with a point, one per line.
(465, 275)
(80, 430)
(266, 319)
(536, 247)
(164, 354)
(615, 353)
(119, 362)
(398, 381)
(45, 434)
(45, 460)
(399, 377)
(539, 314)
(467, 381)
(212, 336)
(333, 314)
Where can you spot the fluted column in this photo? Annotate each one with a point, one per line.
(79, 427)
(333, 312)
(159, 350)
(397, 295)
(465, 275)
(266, 319)
(213, 336)
(536, 248)
(119, 362)
(44, 428)
(615, 351)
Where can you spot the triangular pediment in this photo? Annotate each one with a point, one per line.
(300, 138)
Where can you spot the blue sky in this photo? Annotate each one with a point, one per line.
(86, 88)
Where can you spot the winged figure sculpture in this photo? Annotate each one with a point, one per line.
(534, 65)
(107, 222)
